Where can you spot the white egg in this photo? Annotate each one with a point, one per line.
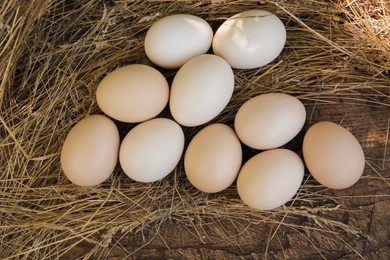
(250, 39)
(151, 150)
(173, 40)
(270, 120)
(270, 179)
(201, 89)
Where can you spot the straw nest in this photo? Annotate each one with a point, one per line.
(53, 55)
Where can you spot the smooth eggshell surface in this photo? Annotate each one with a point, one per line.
(213, 158)
(151, 150)
(332, 155)
(270, 120)
(90, 151)
(133, 93)
(201, 89)
(270, 179)
(250, 39)
(173, 40)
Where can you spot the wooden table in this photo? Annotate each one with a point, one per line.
(357, 219)
(364, 207)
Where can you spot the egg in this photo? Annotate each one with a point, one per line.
(151, 150)
(250, 39)
(270, 179)
(332, 155)
(133, 93)
(175, 39)
(270, 120)
(213, 158)
(200, 90)
(90, 151)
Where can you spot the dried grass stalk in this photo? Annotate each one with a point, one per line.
(53, 55)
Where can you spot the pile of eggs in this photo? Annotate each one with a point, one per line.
(201, 89)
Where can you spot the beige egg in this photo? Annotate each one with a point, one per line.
(270, 120)
(333, 155)
(151, 150)
(90, 151)
(213, 158)
(270, 179)
(201, 89)
(173, 40)
(133, 93)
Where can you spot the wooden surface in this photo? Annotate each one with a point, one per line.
(361, 209)
(364, 207)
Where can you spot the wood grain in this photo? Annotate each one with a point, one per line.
(364, 207)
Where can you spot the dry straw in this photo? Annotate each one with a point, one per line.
(54, 53)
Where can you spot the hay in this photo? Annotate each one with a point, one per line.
(53, 55)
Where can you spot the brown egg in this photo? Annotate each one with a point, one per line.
(213, 158)
(90, 151)
(333, 155)
(133, 93)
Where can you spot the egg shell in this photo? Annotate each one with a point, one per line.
(90, 151)
(201, 89)
(151, 150)
(270, 179)
(270, 120)
(250, 39)
(332, 155)
(133, 93)
(213, 158)
(175, 39)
